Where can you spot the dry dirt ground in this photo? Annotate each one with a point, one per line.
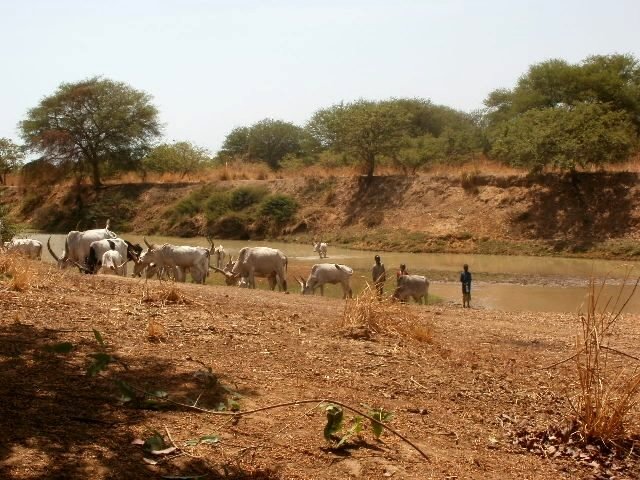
(464, 398)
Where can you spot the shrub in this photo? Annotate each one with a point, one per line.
(8, 229)
(279, 208)
(245, 197)
(230, 226)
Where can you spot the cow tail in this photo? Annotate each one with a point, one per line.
(286, 263)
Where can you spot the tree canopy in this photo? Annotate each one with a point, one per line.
(268, 140)
(566, 115)
(178, 157)
(364, 129)
(408, 132)
(92, 124)
(565, 138)
(11, 157)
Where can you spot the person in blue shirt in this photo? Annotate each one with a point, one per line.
(465, 279)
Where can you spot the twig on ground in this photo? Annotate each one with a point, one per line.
(290, 404)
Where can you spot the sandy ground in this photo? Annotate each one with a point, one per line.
(464, 398)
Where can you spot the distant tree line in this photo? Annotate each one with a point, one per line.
(558, 115)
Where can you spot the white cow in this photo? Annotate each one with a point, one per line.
(98, 248)
(320, 248)
(243, 282)
(77, 244)
(332, 273)
(258, 262)
(25, 246)
(176, 259)
(416, 286)
(114, 263)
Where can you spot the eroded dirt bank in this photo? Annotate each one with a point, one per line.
(586, 214)
(464, 398)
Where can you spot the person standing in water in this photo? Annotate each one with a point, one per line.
(379, 275)
(465, 280)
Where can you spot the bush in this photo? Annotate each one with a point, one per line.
(279, 208)
(245, 197)
(230, 226)
(8, 229)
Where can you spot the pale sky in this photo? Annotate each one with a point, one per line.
(215, 65)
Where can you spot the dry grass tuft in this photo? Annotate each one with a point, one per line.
(609, 385)
(166, 292)
(370, 315)
(156, 332)
(17, 271)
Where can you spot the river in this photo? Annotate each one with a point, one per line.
(509, 283)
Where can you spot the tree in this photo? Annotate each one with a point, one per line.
(92, 124)
(178, 157)
(573, 136)
(11, 156)
(364, 129)
(610, 79)
(267, 140)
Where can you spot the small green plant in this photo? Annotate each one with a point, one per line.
(335, 420)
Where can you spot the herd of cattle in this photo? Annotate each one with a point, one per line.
(102, 251)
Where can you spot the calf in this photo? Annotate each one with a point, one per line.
(112, 262)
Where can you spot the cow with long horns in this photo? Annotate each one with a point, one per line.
(77, 245)
(258, 262)
(176, 259)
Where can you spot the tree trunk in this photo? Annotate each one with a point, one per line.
(370, 164)
(95, 174)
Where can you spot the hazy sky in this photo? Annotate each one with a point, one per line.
(215, 65)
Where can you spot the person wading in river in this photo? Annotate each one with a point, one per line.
(401, 273)
(379, 275)
(465, 280)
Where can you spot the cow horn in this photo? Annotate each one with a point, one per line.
(147, 243)
(106, 227)
(51, 251)
(225, 273)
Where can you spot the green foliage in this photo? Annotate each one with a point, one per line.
(245, 197)
(365, 130)
(11, 156)
(206, 440)
(335, 422)
(564, 138)
(101, 361)
(98, 336)
(382, 416)
(179, 157)
(355, 429)
(8, 228)
(279, 208)
(611, 79)
(154, 443)
(268, 140)
(335, 416)
(92, 124)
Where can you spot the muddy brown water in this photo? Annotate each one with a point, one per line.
(509, 283)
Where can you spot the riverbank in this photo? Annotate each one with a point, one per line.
(592, 215)
(474, 396)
